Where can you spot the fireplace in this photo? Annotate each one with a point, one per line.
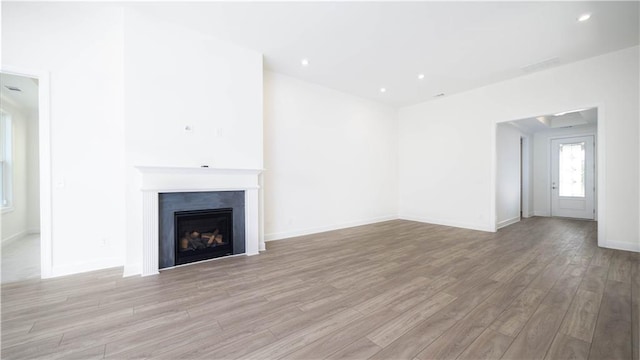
(167, 190)
(202, 225)
(203, 234)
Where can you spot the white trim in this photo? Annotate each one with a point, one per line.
(132, 270)
(294, 233)
(508, 222)
(493, 184)
(195, 170)
(526, 164)
(601, 176)
(541, 213)
(448, 223)
(150, 232)
(619, 245)
(44, 123)
(6, 210)
(191, 179)
(261, 240)
(72, 269)
(180, 190)
(252, 221)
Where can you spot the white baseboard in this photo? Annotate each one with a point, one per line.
(508, 222)
(10, 239)
(33, 231)
(132, 270)
(619, 245)
(447, 223)
(541, 213)
(78, 268)
(289, 234)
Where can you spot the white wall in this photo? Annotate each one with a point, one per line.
(176, 77)
(447, 146)
(80, 45)
(330, 159)
(541, 158)
(14, 221)
(508, 179)
(444, 164)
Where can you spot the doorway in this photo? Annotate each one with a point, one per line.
(546, 166)
(573, 177)
(19, 177)
(44, 160)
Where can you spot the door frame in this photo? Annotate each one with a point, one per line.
(595, 169)
(601, 173)
(44, 140)
(525, 177)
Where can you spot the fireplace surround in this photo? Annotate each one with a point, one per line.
(156, 180)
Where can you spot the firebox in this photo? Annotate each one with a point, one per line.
(203, 234)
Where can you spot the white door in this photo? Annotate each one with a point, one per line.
(572, 177)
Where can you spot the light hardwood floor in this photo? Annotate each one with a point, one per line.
(539, 289)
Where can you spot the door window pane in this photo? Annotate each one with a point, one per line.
(572, 174)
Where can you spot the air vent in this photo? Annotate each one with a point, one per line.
(544, 64)
(13, 88)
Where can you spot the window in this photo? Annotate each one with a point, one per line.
(572, 174)
(6, 173)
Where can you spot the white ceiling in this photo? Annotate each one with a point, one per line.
(27, 98)
(359, 47)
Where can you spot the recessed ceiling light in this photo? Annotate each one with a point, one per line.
(382, 90)
(420, 76)
(584, 17)
(304, 62)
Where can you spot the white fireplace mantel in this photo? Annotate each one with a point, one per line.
(157, 179)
